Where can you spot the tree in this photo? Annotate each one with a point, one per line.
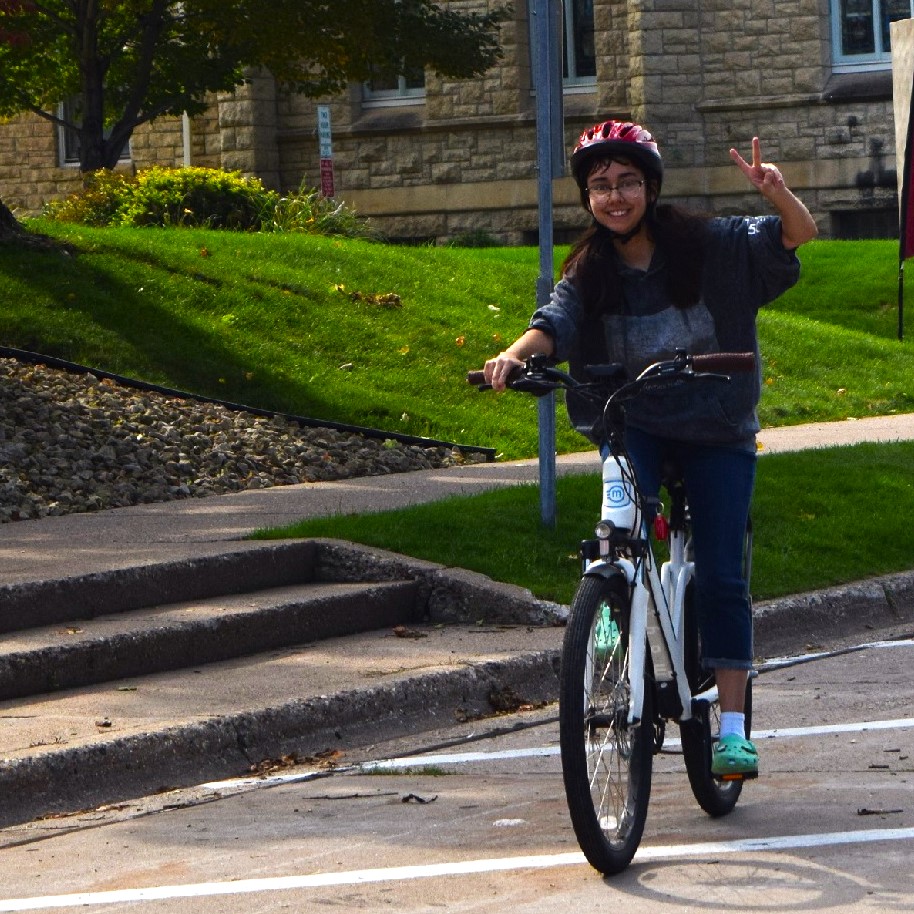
(131, 61)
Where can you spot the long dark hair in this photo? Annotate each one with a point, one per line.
(593, 264)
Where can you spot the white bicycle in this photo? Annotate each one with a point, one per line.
(631, 656)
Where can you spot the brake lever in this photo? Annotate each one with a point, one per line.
(712, 375)
(538, 386)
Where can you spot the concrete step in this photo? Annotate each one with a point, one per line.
(118, 684)
(53, 599)
(193, 633)
(75, 749)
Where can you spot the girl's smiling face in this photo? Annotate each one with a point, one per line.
(622, 208)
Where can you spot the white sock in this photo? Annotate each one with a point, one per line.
(732, 723)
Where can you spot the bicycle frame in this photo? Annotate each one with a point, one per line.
(614, 704)
(657, 609)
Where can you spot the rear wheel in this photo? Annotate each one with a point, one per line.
(606, 762)
(716, 797)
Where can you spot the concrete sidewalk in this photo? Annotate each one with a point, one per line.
(77, 544)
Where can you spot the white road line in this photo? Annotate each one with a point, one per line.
(776, 663)
(437, 870)
(462, 758)
(466, 758)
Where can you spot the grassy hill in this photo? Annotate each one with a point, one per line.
(382, 336)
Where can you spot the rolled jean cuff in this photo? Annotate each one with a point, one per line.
(721, 663)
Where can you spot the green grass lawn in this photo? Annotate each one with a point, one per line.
(306, 325)
(820, 518)
(289, 322)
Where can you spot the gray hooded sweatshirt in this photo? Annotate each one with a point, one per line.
(746, 266)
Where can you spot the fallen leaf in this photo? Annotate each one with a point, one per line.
(401, 631)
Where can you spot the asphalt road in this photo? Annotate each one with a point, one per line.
(476, 821)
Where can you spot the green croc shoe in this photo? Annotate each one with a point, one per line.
(734, 757)
(607, 636)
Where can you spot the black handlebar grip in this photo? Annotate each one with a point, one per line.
(476, 377)
(724, 362)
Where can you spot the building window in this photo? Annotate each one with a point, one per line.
(860, 32)
(68, 139)
(875, 223)
(580, 63)
(406, 89)
(579, 59)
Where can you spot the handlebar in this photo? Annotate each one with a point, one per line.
(610, 390)
(538, 373)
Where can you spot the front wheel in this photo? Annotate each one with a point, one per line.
(606, 761)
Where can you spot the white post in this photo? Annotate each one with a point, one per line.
(185, 137)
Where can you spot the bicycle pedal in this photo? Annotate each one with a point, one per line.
(742, 776)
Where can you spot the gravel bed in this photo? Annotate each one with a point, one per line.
(73, 442)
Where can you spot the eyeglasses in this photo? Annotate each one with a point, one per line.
(627, 188)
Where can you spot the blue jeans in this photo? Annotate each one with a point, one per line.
(719, 481)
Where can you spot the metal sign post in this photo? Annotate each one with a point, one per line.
(547, 76)
(326, 147)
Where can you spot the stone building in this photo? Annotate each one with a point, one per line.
(431, 159)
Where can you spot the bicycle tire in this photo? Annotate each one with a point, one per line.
(606, 764)
(714, 796)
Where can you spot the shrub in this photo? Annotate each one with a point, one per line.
(205, 198)
(477, 238)
(198, 197)
(309, 212)
(98, 203)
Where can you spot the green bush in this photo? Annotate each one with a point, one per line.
(204, 198)
(196, 197)
(99, 202)
(476, 238)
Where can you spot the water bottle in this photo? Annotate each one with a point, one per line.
(619, 507)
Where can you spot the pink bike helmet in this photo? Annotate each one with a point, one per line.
(616, 138)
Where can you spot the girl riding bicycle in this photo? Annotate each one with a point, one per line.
(645, 280)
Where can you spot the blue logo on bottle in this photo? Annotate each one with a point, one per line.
(616, 495)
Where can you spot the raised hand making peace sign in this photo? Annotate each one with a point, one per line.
(797, 226)
(763, 175)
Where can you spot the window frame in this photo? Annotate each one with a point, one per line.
(569, 50)
(68, 139)
(402, 94)
(878, 59)
(572, 83)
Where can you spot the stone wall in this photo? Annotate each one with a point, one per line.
(703, 77)
(29, 172)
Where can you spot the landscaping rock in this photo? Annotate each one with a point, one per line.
(73, 443)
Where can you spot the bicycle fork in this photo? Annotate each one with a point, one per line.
(656, 622)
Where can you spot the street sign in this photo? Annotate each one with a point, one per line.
(326, 150)
(327, 188)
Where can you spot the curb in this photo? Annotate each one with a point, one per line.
(156, 762)
(230, 745)
(835, 612)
